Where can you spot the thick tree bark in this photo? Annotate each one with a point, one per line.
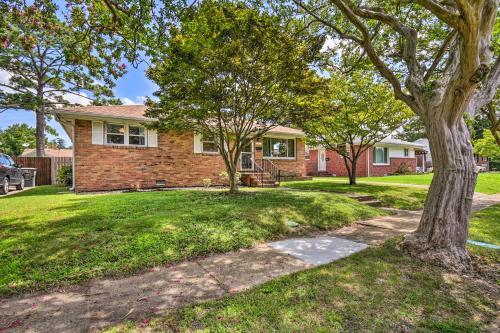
(442, 233)
(40, 132)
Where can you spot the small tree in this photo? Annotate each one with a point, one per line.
(487, 147)
(230, 73)
(51, 63)
(15, 138)
(353, 114)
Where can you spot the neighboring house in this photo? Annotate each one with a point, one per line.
(424, 158)
(49, 152)
(385, 158)
(482, 162)
(113, 150)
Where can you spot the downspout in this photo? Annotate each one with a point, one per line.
(368, 161)
(73, 151)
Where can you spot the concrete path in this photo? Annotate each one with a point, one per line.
(100, 303)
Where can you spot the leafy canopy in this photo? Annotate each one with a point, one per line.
(228, 64)
(15, 138)
(355, 109)
(51, 60)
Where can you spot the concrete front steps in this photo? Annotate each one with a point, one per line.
(367, 200)
(259, 180)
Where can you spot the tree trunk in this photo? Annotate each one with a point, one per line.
(442, 233)
(233, 182)
(352, 178)
(40, 132)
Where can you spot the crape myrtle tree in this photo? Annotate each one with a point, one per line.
(350, 115)
(230, 73)
(439, 58)
(52, 61)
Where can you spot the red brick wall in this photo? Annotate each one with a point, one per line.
(296, 166)
(394, 164)
(312, 163)
(104, 167)
(335, 165)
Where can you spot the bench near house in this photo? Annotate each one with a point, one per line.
(112, 149)
(384, 158)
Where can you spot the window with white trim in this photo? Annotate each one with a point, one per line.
(208, 145)
(279, 148)
(136, 136)
(120, 134)
(115, 134)
(306, 152)
(406, 152)
(381, 155)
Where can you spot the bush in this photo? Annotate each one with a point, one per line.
(207, 182)
(65, 176)
(403, 169)
(495, 165)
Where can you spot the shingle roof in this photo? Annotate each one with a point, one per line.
(112, 111)
(136, 112)
(398, 142)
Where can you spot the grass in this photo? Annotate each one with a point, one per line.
(50, 238)
(376, 290)
(488, 183)
(485, 227)
(394, 196)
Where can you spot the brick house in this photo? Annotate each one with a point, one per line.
(384, 158)
(112, 149)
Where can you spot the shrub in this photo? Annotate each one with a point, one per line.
(403, 169)
(65, 175)
(207, 182)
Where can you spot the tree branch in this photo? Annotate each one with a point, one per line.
(449, 17)
(487, 91)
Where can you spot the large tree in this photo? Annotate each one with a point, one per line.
(231, 74)
(438, 57)
(51, 62)
(350, 115)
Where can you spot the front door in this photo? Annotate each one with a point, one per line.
(246, 158)
(321, 159)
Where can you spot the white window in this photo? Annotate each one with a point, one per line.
(306, 152)
(115, 134)
(381, 155)
(136, 136)
(208, 145)
(407, 152)
(279, 148)
(119, 134)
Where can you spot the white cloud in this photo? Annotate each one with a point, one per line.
(139, 100)
(127, 101)
(75, 99)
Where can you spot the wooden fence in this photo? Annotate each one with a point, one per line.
(46, 167)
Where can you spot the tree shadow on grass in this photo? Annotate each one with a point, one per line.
(394, 196)
(88, 236)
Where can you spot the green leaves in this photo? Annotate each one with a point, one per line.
(357, 109)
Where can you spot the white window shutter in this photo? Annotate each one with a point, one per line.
(152, 138)
(97, 133)
(197, 143)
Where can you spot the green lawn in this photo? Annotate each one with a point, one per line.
(488, 183)
(49, 238)
(376, 290)
(394, 196)
(485, 227)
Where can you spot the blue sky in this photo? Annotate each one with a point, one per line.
(131, 89)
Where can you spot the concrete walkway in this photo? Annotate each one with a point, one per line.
(104, 302)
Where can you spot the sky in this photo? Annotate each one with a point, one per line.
(132, 88)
